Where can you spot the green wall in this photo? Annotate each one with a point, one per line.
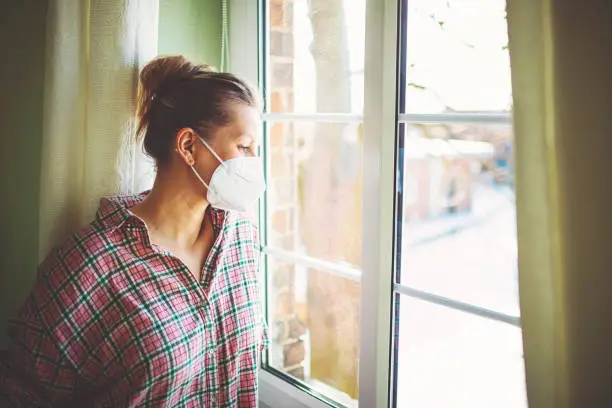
(22, 40)
(191, 28)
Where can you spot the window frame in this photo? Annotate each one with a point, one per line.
(379, 118)
(383, 115)
(245, 47)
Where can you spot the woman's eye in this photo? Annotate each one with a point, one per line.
(245, 149)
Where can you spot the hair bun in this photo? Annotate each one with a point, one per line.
(163, 71)
(159, 75)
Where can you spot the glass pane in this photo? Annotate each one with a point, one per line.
(315, 55)
(314, 328)
(448, 358)
(457, 56)
(459, 235)
(314, 190)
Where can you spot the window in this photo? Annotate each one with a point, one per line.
(388, 226)
(456, 284)
(313, 80)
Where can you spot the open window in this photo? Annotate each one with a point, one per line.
(388, 226)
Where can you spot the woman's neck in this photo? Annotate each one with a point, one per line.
(174, 211)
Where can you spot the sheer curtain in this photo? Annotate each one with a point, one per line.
(94, 52)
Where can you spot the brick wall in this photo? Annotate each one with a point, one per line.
(315, 321)
(288, 351)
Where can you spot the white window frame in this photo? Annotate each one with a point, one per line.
(379, 169)
(379, 118)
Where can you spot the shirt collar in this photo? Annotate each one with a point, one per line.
(114, 211)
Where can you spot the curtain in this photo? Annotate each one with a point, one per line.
(95, 49)
(560, 53)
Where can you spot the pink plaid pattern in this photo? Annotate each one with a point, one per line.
(115, 322)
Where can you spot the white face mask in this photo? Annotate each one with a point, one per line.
(236, 184)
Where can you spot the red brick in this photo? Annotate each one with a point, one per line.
(277, 13)
(277, 102)
(296, 327)
(284, 305)
(294, 353)
(297, 373)
(282, 74)
(277, 134)
(280, 221)
(281, 44)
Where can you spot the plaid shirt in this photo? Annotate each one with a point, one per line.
(116, 322)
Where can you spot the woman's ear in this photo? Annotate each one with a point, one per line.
(185, 145)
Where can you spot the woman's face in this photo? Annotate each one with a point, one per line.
(239, 138)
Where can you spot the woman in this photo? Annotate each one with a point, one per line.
(155, 303)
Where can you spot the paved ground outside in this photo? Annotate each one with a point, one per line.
(451, 359)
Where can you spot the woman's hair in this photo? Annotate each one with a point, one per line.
(174, 94)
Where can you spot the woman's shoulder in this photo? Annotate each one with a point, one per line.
(68, 285)
(83, 249)
(77, 268)
(242, 226)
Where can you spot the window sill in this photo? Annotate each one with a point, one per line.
(277, 393)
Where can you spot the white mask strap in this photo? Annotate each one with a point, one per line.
(212, 151)
(199, 177)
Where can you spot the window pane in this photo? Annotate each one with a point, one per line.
(448, 358)
(459, 235)
(315, 55)
(314, 327)
(457, 56)
(314, 190)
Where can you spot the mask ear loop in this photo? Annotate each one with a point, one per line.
(199, 177)
(210, 149)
